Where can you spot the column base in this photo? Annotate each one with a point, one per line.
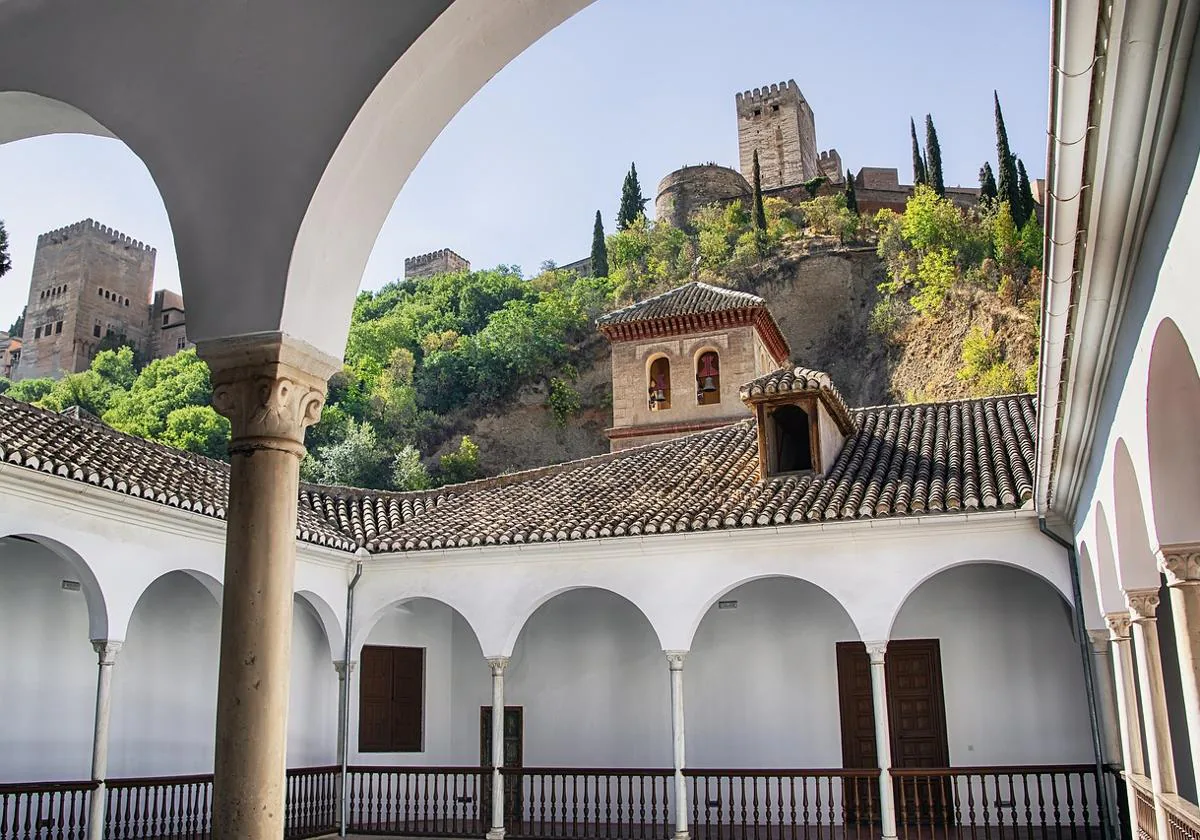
(680, 835)
(495, 834)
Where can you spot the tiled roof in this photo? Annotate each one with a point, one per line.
(796, 379)
(919, 459)
(693, 298)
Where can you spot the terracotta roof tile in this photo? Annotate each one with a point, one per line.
(693, 298)
(915, 459)
(797, 379)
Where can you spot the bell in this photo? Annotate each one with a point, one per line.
(660, 395)
(709, 384)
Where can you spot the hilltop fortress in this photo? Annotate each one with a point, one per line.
(778, 122)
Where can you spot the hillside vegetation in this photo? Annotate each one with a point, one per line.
(452, 377)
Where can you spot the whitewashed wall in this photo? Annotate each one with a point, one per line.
(1012, 674)
(47, 669)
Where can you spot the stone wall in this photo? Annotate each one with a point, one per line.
(778, 122)
(168, 325)
(686, 190)
(88, 281)
(444, 261)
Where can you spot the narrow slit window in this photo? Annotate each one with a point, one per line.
(660, 384)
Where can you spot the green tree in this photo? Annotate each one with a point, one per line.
(563, 399)
(1031, 243)
(760, 213)
(1026, 191)
(918, 160)
(163, 386)
(5, 384)
(987, 181)
(933, 150)
(31, 390)
(355, 461)
(5, 260)
(1007, 188)
(17, 328)
(851, 195)
(462, 465)
(633, 203)
(198, 429)
(408, 473)
(599, 249)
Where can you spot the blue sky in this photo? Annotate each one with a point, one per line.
(518, 175)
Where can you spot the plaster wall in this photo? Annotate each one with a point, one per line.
(831, 437)
(1013, 680)
(48, 687)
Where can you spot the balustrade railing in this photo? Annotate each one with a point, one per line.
(784, 804)
(1143, 808)
(991, 803)
(1183, 818)
(603, 803)
(45, 810)
(423, 801)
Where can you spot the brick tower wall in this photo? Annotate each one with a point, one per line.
(778, 122)
(86, 278)
(444, 261)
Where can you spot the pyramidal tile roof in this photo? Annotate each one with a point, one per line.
(694, 298)
(797, 379)
(901, 460)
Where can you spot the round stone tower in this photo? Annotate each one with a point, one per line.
(688, 189)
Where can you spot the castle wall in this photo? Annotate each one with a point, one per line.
(168, 325)
(778, 122)
(88, 280)
(686, 190)
(444, 261)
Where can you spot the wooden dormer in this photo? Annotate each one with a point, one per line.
(803, 421)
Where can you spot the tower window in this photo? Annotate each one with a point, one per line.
(708, 379)
(166, 319)
(792, 449)
(758, 112)
(37, 333)
(660, 384)
(99, 292)
(127, 301)
(96, 329)
(58, 327)
(774, 107)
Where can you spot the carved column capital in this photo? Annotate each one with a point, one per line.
(1100, 640)
(497, 664)
(106, 650)
(877, 651)
(1143, 604)
(675, 659)
(271, 387)
(1118, 626)
(344, 668)
(1180, 563)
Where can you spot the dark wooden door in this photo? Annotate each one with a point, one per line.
(916, 715)
(514, 756)
(858, 728)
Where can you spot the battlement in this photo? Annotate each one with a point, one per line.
(443, 261)
(787, 91)
(432, 256)
(93, 227)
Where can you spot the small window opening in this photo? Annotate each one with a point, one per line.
(774, 107)
(37, 333)
(758, 112)
(166, 320)
(660, 384)
(793, 445)
(708, 379)
(127, 301)
(99, 292)
(58, 327)
(96, 330)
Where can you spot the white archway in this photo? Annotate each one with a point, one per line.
(1172, 408)
(98, 618)
(1105, 563)
(1135, 562)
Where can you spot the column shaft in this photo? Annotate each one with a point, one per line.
(1127, 710)
(678, 744)
(1106, 696)
(883, 739)
(106, 652)
(497, 664)
(1143, 604)
(1181, 565)
(265, 387)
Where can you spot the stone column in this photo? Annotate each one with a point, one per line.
(271, 388)
(1181, 565)
(883, 739)
(106, 652)
(497, 664)
(1106, 695)
(1127, 710)
(1143, 604)
(679, 748)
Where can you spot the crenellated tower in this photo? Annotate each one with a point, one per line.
(778, 122)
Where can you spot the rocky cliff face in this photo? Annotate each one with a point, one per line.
(822, 301)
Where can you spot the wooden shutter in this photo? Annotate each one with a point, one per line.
(391, 699)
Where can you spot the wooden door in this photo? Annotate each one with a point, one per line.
(858, 727)
(514, 756)
(916, 715)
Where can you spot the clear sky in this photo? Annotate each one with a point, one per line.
(518, 175)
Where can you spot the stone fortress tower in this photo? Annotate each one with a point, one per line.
(778, 123)
(89, 281)
(444, 261)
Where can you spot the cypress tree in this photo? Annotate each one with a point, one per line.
(1007, 188)
(1027, 203)
(851, 196)
(987, 181)
(633, 203)
(934, 150)
(918, 158)
(760, 213)
(599, 249)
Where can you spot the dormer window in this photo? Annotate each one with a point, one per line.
(708, 378)
(790, 444)
(660, 384)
